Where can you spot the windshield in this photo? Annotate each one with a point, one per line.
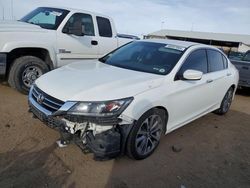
(48, 18)
(150, 57)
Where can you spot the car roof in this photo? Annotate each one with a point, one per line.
(185, 44)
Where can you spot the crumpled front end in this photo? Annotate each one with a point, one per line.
(105, 137)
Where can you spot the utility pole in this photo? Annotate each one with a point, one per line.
(192, 28)
(163, 23)
(12, 17)
(2, 9)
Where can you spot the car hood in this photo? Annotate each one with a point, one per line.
(96, 81)
(17, 26)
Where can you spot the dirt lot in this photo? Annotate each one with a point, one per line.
(215, 153)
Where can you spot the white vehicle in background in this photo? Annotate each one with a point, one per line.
(126, 100)
(48, 38)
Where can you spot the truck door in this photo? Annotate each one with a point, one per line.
(107, 39)
(70, 47)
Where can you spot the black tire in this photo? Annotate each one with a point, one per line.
(19, 77)
(132, 142)
(226, 102)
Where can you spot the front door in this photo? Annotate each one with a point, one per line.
(190, 98)
(71, 47)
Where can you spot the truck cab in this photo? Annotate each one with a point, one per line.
(243, 65)
(48, 38)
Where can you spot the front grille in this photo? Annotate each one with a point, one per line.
(46, 101)
(51, 121)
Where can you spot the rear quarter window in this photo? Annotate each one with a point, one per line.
(225, 62)
(104, 27)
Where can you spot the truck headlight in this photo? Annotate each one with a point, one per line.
(100, 109)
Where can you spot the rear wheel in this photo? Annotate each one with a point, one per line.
(226, 102)
(24, 71)
(145, 135)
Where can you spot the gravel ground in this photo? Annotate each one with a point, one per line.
(213, 151)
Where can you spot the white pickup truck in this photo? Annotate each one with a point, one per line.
(48, 38)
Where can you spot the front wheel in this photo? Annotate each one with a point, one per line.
(24, 71)
(146, 133)
(226, 102)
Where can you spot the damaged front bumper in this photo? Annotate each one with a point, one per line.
(105, 138)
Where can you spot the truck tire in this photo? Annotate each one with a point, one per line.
(24, 71)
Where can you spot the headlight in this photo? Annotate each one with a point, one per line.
(100, 109)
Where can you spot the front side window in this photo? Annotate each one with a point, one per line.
(104, 27)
(215, 61)
(150, 57)
(85, 20)
(197, 60)
(48, 18)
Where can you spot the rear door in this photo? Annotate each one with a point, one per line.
(219, 72)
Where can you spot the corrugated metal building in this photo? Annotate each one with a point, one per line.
(232, 42)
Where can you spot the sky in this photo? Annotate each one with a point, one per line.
(141, 17)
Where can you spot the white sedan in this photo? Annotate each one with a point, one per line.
(125, 101)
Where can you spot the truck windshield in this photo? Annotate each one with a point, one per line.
(150, 57)
(48, 18)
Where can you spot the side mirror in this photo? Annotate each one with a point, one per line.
(77, 29)
(192, 75)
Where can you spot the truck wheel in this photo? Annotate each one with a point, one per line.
(145, 135)
(24, 71)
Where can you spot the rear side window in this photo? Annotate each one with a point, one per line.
(197, 60)
(215, 61)
(104, 27)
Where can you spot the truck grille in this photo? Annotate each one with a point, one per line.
(46, 101)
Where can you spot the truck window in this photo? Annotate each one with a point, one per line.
(85, 19)
(104, 27)
(215, 61)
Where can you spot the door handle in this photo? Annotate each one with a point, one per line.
(94, 42)
(209, 81)
(229, 74)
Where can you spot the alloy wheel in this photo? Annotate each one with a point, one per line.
(227, 100)
(149, 134)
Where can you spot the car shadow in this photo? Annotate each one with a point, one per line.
(214, 152)
(3, 82)
(32, 168)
